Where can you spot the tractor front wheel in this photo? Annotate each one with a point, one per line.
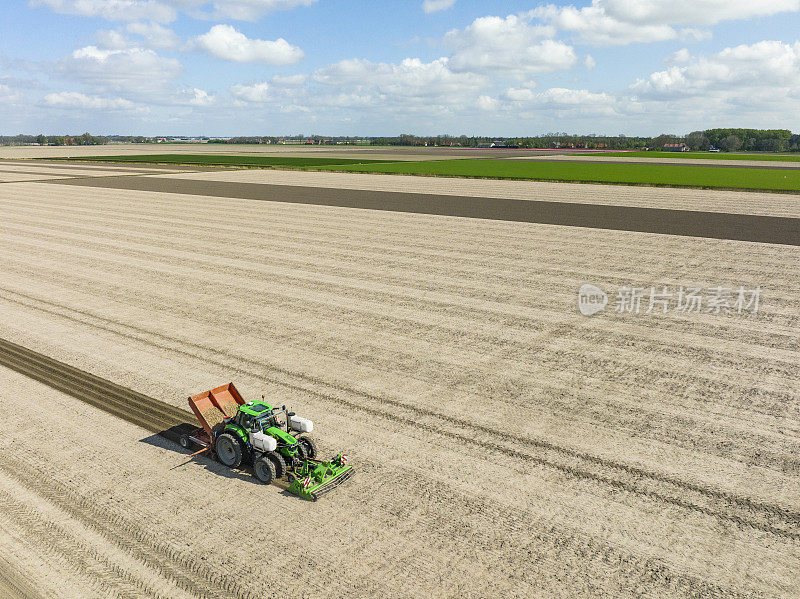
(308, 447)
(229, 450)
(279, 461)
(264, 469)
(185, 441)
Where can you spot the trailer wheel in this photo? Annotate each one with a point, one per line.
(184, 441)
(308, 447)
(279, 462)
(264, 469)
(229, 450)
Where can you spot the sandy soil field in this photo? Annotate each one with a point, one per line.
(505, 444)
(737, 202)
(14, 171)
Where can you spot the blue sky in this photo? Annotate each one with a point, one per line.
(352, 67)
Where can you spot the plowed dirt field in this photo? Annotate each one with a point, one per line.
(506, 445)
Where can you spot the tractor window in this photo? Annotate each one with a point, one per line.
(243, 420)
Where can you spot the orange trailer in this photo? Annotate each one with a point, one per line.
(212, 408)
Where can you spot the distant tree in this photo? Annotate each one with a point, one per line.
(774, 144)
(41, 140)
(730, 143)
(697, 140)
(659, 142)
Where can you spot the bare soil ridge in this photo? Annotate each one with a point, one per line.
(716, 225)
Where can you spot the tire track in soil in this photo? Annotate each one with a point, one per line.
(170, 563)
(703, 499)
(56, 540)
(14, 585)
(136, 408)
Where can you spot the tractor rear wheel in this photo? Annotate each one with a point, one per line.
(264, 469)
(308, 447)
(229, 450)
(279, 461)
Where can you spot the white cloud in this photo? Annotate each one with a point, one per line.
(591, 25)
(509, 45)
(690, 34)
(243, 10)
(119, 10)
(133, 70)
(518, 94)
(411, 78)
(82, 101)
(590, 63)
(290, 80)
(225, 42)
(682, 56)
(154, 35)
(111, 40)
(560, 102)
(692, 12)
(741, 71)
(151, 35)
(619, 22)
(9, 95)
(487, 103)
(429, 6)
(280, 88)
(198, 97)
(256, 93)
(562, 97)
(164, 11)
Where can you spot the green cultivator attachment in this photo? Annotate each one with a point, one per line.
(314, 478)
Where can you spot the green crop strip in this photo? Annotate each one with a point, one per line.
(224, 160)
(699, 155)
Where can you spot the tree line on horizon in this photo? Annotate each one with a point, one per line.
(726, 140)
(85, 139)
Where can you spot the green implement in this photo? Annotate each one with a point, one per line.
(316, 478)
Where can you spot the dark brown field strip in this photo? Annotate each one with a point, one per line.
(714, 225)
(131, 406)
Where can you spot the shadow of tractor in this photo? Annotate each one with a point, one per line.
(168, 439)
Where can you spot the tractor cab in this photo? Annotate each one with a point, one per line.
(252, 414)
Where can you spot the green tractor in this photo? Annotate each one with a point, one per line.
(274, 440)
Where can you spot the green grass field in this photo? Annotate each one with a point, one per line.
(633, 174)
(223, 160)
(703, 155)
